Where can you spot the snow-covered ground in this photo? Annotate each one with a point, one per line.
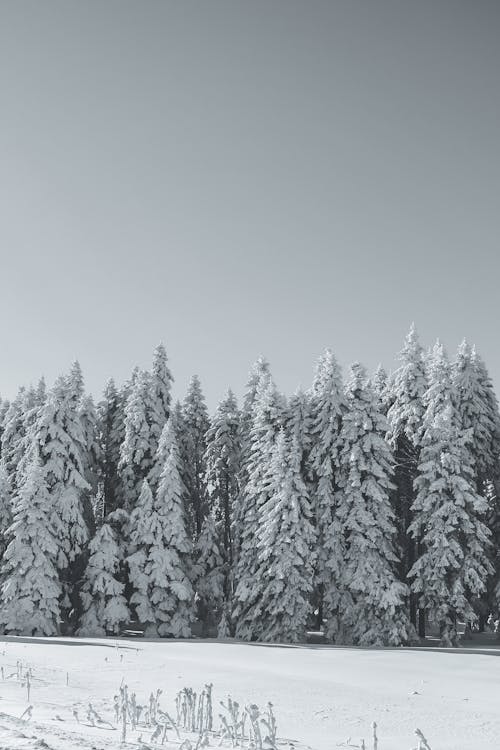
(322, 695)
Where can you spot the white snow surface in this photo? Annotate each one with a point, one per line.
(321, 695)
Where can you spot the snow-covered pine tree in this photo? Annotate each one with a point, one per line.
(268, 415)
(382, 386)
(104, 606)
(160, 564)
(58, 432)
(259, 372)
(34, 399)
(4, 408)
(222, 462)
(209, 575)
(30, 589)
(136, 457)
(373, 606)
(192, 446)
(75, 379)
(453, 565)
(285, 570)
(13, 433)
(327, 408)
(477, 409)
(158, 406)
(405, 417)
(490, 465)
(5, 507)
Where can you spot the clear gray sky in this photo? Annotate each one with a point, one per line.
(237, 178)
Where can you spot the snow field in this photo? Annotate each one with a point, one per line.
(323, 697)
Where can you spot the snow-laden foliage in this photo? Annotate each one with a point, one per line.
(259, 373)
(32, 405)
(5, 507)
(136, 456)
(104, 605)
(260, 370)
(477, 409)
(111, 433)
(209, 574)
(381, 385)
(405, 416)
(286, 544)
(192, 447)
(30, 589)
(327, 408)
(14, 432)
(453, 564)
(222, 466)
(298, 424)
(159, 396)
(205, 536)
(372, 610)
(160, 562)
(267, 418)
(92, 459)
(58, 432)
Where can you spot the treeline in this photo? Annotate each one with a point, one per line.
(367, 508)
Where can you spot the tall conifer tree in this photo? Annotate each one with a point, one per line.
(453, 566)
(30, 590)
(405, 416)
(372, 611)
(327, 408)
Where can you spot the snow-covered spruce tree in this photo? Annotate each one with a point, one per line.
(136, 457)
(160, 564)
(489, 463)
(5, 507)
(34, 401)
(477, 409)
(453, 565)
(373, 607)
(268, 415)
(77, 429)
(327, 408)
(405, 417)
(158, 405)
(58, 432)
(222, 466)
(4, 408)
(30, 589)
(192, 447)
(260, 371)
(104, 606)
(209, 575)
(13, 433)
(382, 386)
(285, 570)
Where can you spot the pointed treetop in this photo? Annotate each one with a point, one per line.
(357, 379)
(76, 379)
(110, 390)
(412, 349)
